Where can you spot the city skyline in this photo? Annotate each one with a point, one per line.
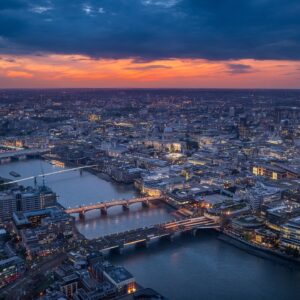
(158, 194)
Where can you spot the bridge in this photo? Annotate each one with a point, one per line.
(7, 156)
(48, 174)
(143, 236)
(103, 206)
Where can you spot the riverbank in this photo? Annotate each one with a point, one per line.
(101, 175)
(260, 252)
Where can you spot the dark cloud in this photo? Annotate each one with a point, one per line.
(152, 29)
(239, 69)
(12, 4)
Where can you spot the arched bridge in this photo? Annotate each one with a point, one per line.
(103, 206)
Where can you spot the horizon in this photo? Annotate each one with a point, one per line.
(20, 72)
(151, 88)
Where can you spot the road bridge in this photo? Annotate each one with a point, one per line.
(145, 235)
(103, 206)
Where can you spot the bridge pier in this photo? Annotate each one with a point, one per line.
(82, 215)
(168, 237)
(145, 204)
(186, 232)
(116, 250)
(103, 211)
(143, 244)
(125, 207)
(194, 231)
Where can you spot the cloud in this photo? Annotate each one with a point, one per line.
(11, 60)
(149, 67)
(87, 9)
(20, 74)
(40, 9)
(235, 69)
(149, 30)
(162, 3)
(81, 71)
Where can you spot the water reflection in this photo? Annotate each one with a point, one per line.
(207, 268)
(119, 220)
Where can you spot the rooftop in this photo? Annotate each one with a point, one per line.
(118, 273)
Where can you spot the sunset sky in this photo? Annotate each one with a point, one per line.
(150, 43)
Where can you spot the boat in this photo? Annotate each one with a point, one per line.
(57, 163)
(15, 174)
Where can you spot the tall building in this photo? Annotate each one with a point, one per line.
(25, 200)
(231, 111)
(7, 205)
(243, 128)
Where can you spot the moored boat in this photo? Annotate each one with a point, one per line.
(14, 174)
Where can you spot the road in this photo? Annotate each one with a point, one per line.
(19, 289)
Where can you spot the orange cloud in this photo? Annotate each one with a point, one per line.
(21, 74)
(82, 71)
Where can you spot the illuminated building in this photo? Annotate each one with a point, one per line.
(69, 285)
(43, 231)
(10, 270)
(271, 172)
(120, 278)
(25, 200)
(281, 211)
(94, 118)
(290, 233)
(265, 237)
(142, 294)
(245, 225)
(162, 145)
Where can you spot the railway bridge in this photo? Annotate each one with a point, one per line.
(21, 154)
(145, 235)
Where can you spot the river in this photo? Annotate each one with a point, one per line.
(201, 267)
(75, 189)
